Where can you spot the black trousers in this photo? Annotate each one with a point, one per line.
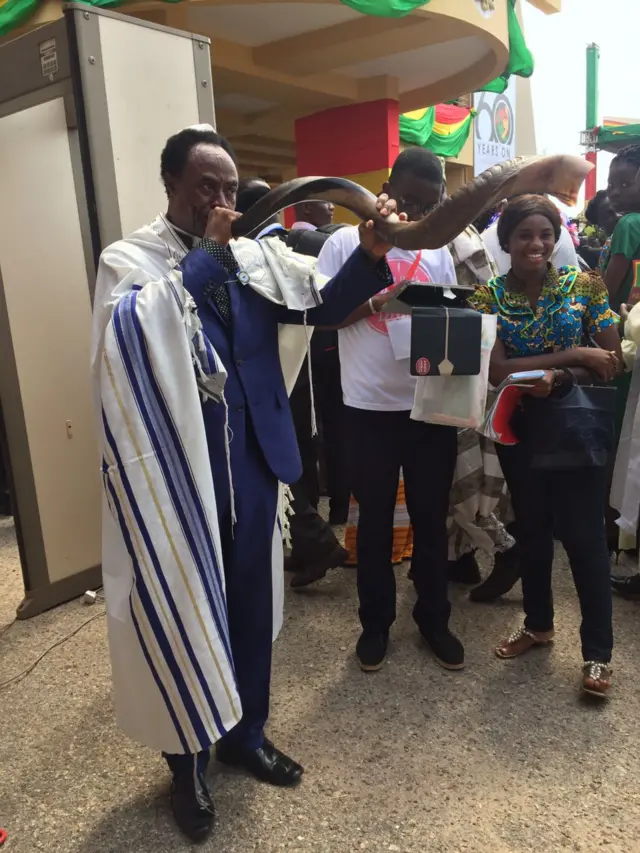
(569, 504)
(327, 386)
(380, 443)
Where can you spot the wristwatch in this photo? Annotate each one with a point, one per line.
(558, 377)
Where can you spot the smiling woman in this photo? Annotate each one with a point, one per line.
(544, 316)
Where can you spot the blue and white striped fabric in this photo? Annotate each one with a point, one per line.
(174, 682)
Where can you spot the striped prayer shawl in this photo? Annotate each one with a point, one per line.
(170, 592)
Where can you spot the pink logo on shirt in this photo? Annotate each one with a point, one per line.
(400, 268)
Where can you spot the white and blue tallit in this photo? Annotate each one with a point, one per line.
(173, 676)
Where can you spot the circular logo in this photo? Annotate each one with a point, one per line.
(423, 365)
(503, 124)
(400, 268)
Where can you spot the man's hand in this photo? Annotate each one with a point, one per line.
(219, 225)
(370, 241)
(381, 299)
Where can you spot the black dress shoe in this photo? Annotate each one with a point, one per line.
(505, 575)
(192, 806)
(464, 570)
(627, 587)
(266, 763)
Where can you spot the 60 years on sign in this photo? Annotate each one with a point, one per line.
(494, 127)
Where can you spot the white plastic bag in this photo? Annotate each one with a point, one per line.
(458, 401)
(625, 488)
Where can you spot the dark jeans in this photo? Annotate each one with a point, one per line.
(380, 443)
(571, 505)
(311, 537)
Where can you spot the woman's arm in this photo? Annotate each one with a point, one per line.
(500, 366)
(617, 269)
(603, 362)
(609, 339)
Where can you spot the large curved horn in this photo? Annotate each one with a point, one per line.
(339, 191)
(560, 176)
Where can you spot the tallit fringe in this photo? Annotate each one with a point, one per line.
(286, 510)
(194, 330)
(314, 421)
(228, 436)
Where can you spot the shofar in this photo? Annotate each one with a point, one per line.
(560, 176)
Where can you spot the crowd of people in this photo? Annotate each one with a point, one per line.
(205, 414)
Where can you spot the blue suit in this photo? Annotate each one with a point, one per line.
(263, 450)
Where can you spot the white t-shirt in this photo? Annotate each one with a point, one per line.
(374, 362)
(563, 255)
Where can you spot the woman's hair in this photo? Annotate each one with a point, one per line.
(630, 154)
(520, 209)
(592, 211)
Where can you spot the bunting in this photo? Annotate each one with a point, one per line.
(520, 62)
(14, 13)
(443, 129)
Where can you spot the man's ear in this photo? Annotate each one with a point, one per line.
(169, 184)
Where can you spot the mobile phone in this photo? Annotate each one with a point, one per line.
(526, 376)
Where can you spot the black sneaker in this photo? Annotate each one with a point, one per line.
(627, 587)
(371, 650)
(445, 647)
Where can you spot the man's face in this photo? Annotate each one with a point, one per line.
(624, 189)
(208, 180)
(414, 196)
(318, 213)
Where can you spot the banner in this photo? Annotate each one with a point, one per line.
(443, 129)
(494, 135)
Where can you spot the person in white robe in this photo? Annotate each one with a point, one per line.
(191, 335)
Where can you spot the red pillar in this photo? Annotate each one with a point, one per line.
(591, 183)
(358, 141)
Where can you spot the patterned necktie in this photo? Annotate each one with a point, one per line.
(225, 257)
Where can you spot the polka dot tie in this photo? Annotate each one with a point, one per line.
(220, 293)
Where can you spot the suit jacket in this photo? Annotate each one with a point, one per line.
(248, 347)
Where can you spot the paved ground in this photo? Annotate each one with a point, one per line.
(501, 758)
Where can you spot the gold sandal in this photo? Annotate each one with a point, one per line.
(596, 678)
(521, 641)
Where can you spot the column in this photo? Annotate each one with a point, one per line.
(358, 141)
